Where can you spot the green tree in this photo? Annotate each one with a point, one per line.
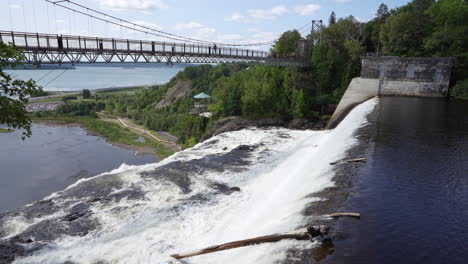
(332, 19)
(299, 104)
(14, 93)
(382, 12)
(449, 37)
(460, 90)
(288, 42)
(86, 94)
(403, 34)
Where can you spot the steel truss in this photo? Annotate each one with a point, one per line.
(57, 49)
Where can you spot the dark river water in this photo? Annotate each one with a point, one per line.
(413, 192)
(53, 158)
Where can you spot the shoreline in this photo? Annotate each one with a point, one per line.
(60, 93)
(336, 198)
(6, 130)
(139, 150)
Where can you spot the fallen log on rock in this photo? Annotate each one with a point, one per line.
(345, 214)
(308, 234)
(347, 161)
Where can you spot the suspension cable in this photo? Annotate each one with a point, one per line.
(169, 35)
(43, 76)
(34, 15)
(55, 78)
(114, 23)
(24, 18)
(145, 29)
(11, 17)
(48, 19)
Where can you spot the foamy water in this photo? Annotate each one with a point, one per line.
(285, 168)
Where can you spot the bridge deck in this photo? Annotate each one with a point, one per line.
(60, 49)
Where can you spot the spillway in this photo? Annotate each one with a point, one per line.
(233, 186)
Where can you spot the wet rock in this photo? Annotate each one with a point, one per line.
(179, 172)
(133, 193)
(236, 123)
(8, 251)
(96, 187)
(38, 209)
(235, 189)
(74, 216)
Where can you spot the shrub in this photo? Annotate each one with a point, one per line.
(69, 97)
(460, 90)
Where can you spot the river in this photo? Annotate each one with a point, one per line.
(89, 76)
(411, 194)
(53, 158)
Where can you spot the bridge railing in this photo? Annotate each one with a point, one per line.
(48, 48)
(36, 41)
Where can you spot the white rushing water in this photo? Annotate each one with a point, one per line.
(285, 169)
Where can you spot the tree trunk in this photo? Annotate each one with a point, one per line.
(307, 234)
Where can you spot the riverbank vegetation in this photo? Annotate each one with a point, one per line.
(112, 132)
(5, 130)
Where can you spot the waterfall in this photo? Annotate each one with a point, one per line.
(233, 186)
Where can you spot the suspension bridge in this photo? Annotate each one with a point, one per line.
(44, 48)
(61, 49)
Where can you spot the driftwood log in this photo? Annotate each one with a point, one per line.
(347, 161)
(307, 234)
(345, 214)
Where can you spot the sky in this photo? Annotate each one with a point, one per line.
(231, 21)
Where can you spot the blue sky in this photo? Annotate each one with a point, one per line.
(233, 21)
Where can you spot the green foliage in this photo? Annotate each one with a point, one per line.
(40, 93)
(86, 94)
(69, 97)
(332, 19)
(336, 60)
(460, 90)
(287, 43)
(112, 132)
(403, 34)
(5, 130)
(449, 37)
(80, 108)
(14, 93)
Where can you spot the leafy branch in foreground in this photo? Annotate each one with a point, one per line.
(14, 93)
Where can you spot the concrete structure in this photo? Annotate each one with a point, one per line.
(395, 76)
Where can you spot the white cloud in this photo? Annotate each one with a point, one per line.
(231, 37)
(256, 15)
(129, 27)
(342, 1)
(235, 17)
(195, 30)
(261, 14)
(15, 6)
(140, 5)
(189, 25)
(279, 10)
(305, 10)
(264, 36)
(253, 30)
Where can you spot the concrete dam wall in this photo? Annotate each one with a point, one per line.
(395, 76)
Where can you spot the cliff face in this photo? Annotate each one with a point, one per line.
(181, 89)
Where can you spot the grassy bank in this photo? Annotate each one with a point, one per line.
(5, 130)
(112, 132)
